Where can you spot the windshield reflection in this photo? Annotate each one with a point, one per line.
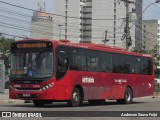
(34, 65)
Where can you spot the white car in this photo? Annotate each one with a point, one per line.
(157, 80)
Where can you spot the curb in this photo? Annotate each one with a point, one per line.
(11, 101)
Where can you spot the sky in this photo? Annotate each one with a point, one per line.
(152, 12)
(16, 21)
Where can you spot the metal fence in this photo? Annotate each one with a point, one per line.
(2, 76)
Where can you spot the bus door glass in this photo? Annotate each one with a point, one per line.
(62, 64)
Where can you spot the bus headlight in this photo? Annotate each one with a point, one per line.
(47, 86)
(11, 87)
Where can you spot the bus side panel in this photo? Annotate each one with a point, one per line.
(60, 93)
(64, 88)
(149, 86)
(89, 81)
(144, 86)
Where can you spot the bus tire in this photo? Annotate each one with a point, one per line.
(128, 97)
(76, 99)
(38, 103)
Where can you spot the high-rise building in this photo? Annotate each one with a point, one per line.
(41, 24)
(93, 21)
(151, 34)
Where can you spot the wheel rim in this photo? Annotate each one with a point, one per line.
(75, 97)
(128, 96)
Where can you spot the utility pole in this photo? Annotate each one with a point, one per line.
(114, 34)
(66, 19)
(127, 29)
(127, 24)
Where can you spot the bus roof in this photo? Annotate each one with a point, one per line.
(100, 47)
(92, 46)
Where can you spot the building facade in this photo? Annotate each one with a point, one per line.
(96, 21)
(151, 34)
(41, 24)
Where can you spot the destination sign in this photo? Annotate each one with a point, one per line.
(31, 45)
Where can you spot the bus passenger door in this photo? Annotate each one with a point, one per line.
(62, 62)
(62, 66)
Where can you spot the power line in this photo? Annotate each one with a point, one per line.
(3, 17)
(12, 35)
(49, 13)
(21, 14)
(35, 31)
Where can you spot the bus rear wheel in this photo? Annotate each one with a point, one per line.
(76, 99)
(128, 97)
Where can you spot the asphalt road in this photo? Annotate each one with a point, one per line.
(149, 105)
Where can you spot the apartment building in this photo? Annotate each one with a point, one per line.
(151, 34)
(96, 21)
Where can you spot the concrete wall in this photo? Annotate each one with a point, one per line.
(2, 76)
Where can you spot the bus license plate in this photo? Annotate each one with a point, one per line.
(26, 95)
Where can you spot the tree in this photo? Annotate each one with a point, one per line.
(156, 56)
(5, 45)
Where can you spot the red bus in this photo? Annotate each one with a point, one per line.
(47, 70)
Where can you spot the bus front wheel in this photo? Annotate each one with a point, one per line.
(128, 97)
(76, 99)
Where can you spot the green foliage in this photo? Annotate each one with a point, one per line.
(157, 89)
(5, 44)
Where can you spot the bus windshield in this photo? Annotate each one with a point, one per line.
(32, 64)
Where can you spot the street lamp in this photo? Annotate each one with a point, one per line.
(157, 1)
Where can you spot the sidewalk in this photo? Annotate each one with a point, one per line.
(4, 98)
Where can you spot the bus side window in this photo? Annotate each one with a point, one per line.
(79, 59)
(106, 62)
(93, 61)
(147, 66)
(149, 63)
(139, 65)
(118, 63)
(128, 62)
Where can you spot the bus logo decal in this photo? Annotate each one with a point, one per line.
(120, 81)
(87, 79)
(149, 84)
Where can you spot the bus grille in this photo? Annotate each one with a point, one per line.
(27, 89)
(31, 96)
(27, 81)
